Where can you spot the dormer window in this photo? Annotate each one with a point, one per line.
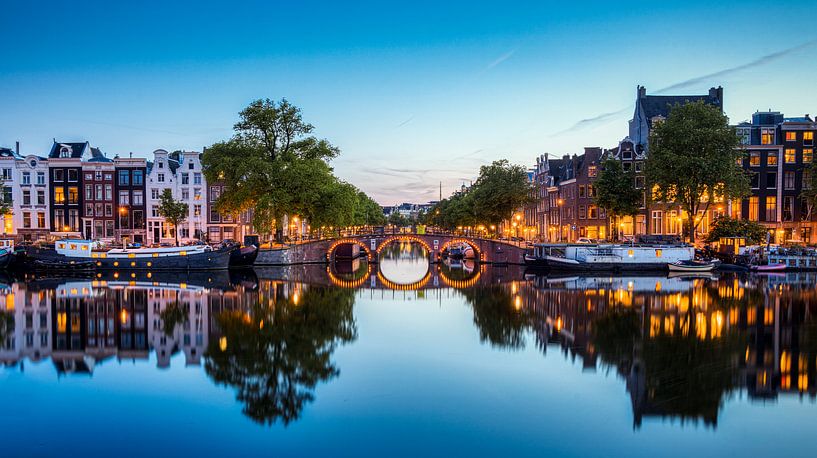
(65, 151)
(161, 164)
(33, 163)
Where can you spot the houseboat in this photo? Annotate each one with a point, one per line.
(607, 258)
(6, 252)
(88, 254)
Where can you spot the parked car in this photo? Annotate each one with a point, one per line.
(584, 240)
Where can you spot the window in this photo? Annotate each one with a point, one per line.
(26, 178)
(73, 175)
(26, 220)
(639, 166)
(100, 210)
(154, 194)
(745, 138)
(109, 228)
(41, 197)
(791, 136)
(808, 155)
(161, 164)
(771, 208)
(591, 191)
(108, 177)
(806, 179)
(89, 176)
(59, 220)
(185, 193)
(657, 222)
(124, 198)
(753, 208)
(788, 180)
(160, 178)
(138, 219)
(790, 155)
(196, 178)
(771, 180)
(627, 166)
(41, 178)
(754, 159)
(767, 136)
(6, 175)
(771, 158)
(138, 198)
(788, 208)
(41, 219)
(124, 220)
(99, 193)
(582, 212)
(639, 182)
(197, 193)
(108, 192)
(581, 191)
(26, 197)
(59, 175)
(124, 177)
(138, 178)
(215, 193)
(154, 211)
(196, 210)
(98, 176)
(59, 195)
(89, 209)
(89, 192)
(7, 194)
(99, 229)
(592, 212)
(185, 178)
(808, 138)
(754, 180)
(108, 209)
(216, 218)
(73, 195)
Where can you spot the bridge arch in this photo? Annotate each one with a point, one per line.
(419, 284)
(330, 252)
(344, 283)
(403, 238)
(478, 255)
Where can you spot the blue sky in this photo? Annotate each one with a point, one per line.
(414, 93)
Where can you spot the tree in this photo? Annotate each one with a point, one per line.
(725, 226)
(5, 205)
(809, 193)
(695, 159)
(616, 192)
(173, 211)
(397, 219)
(272, 165)
(500, 190)
(368, 212)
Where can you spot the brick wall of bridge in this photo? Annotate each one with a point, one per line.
(490, 251)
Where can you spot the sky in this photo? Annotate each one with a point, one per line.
(415, 94)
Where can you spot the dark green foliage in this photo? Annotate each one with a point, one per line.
(695, 156)
(616, 191)
(725, 226)
(173, 211)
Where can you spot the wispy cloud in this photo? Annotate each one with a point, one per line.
(760, 61)
(498, 61)
(410, 118)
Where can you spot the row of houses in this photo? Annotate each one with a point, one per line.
(75, 190)
(779, 152)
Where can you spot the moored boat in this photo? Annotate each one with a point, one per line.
(691, 266)
(776, 267)
(607, 258)
(243, 256)
(85, 253)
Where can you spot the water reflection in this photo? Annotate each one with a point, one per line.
(403, 262)
(681, 346)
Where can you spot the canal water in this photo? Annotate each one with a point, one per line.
(403, 358)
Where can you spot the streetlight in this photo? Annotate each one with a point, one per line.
(559, 203)
(122, 212)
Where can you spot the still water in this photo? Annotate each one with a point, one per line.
(400, 358)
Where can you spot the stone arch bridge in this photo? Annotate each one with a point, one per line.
(322, 251)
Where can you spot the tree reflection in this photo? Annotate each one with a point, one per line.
(498, 316)
(674, 372)
(6, 325)
(172, 316)
(276, 355)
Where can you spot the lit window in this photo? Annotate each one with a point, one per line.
(808, 155)
(791, 136)
(771, 158)
(754, 159)
(790, 156)
(767, 137)
(808, 138)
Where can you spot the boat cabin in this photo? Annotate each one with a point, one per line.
(7, 244)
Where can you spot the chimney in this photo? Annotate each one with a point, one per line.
(642, 92)
(17, 145)
(130, 155)
(716, 93)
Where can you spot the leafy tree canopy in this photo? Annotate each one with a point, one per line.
(173, 211)
(694, 158)
(725, 226)
(616, 191)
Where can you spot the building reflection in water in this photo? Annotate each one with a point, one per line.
(681, 345)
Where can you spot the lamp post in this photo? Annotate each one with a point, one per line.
(559, 203)
(122, 212)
